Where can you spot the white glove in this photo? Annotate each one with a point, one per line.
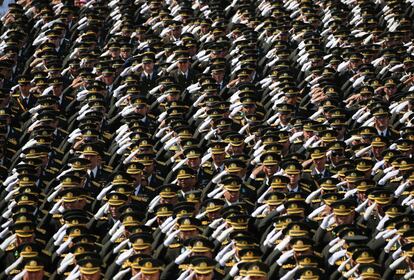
(121, 273)
(102, 211)
(284, 257)
(361, 206)
(13, 265)
(343, 264)
(391, 243)
(336, 246)
(226, 257)
(290, 274)
(312, 195)
(184, 274)
(369, 210)
(327, 221)
(350, 272)
(389, 234)
(336, 256)
(114, 228)
(381, 223)
(218, 230)
(225, 234)
(8, 241)
(397, 262)
(120, 246)
(215, 223)
(282, 245)
(124, 256)
(67, 260)
(64, 246)
(170, 238)
(275, 237)
(223, 251)
(181, 258)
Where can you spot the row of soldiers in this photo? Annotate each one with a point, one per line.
(207, 140)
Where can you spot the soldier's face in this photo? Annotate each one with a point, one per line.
(204, 276)
(284, 118)
(148, 67)
(114, 211)
(194, 163)
(37, 275)
(186, 182)
(23, 240)
(294, 179)
(269, 170)
(93, 159)
(320, 162)
(125, 54)
(154, 276)
(381, 122)
(218, 158)
(24, 88)
(307, 134)
(185, 235)
(218, 76)
(231, 196)
(95, 276)
(183, 66)
(343, 220)
(213, 215)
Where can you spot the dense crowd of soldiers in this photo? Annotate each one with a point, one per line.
(207, 139)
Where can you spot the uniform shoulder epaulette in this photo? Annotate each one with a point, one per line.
(57, 150)
(119, 240)
(11, 247)
(248, 202)
(16, 95)
(150, 188)
(69, 97)
(361, 225)
(207, 170)
(288, 266)
(306, 170)
(159, 177)
(107, 135)
(220, 271)
(47, 253)
(63, 131)
(250, 187)
(306, 189)
(175, 245)
(11, 150)
(12, 140)
(108, 168)
(41, 241)
(54, 168)
(183, 266)
(401, 271)
(42, 231)
(160, 162)
(17, 129)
